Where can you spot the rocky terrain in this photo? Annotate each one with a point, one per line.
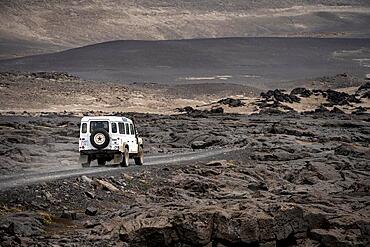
(255, 117)
(299, 176)
(299, 179)
(59, 92)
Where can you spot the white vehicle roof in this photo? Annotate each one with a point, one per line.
(109, 118)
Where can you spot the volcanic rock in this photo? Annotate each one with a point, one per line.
(340, 98)
(303, 92)
(106, 185)
(231, 102)
(217, 110)
(279, 96)
(91, 211)
(71, 215)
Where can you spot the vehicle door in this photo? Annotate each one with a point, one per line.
(114, 133)
(84, 137)
(97, 124)
(130, 135)
(122, 133)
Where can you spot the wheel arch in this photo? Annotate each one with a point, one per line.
(123, 146)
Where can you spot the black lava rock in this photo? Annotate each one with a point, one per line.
(91, 211)
(303, 92)
(231, 102)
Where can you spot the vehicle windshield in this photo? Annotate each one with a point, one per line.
(99, 125)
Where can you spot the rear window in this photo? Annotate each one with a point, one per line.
(94, 125)
(84, 128)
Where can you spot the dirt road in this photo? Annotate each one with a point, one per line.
(54, 172)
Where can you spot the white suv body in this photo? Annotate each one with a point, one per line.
(107, 138)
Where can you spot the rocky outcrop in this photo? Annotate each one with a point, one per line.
(303, 92)
(231, 102)
(278, 95)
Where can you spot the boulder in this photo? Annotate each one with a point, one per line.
(217, 110)
(236, 228)
(363, 88)
(279, 96)
(22, 224)
(231, 102)
(340, 98)
(331, 237)
(91, 211)
(71, 215)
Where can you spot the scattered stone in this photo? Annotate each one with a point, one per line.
(90, 194)
(71, 215)
(48, 196)
(85, 179)
(107, 185)
(91, 211)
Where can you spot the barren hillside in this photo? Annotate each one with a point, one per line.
(255, 62)
(32, 27)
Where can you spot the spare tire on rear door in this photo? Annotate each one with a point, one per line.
(99, 138)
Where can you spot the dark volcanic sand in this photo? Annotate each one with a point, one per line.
(257, 62)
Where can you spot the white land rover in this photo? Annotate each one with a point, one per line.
(107, 138)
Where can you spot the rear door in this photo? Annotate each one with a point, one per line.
(94, 124)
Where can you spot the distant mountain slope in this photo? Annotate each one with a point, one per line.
(74, 23)
(247, 61)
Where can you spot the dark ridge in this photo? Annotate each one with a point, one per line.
(256, 62)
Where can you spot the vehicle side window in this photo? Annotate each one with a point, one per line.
(114, 128)
(84, 128)
(127, 129)
(121, 127)
(132, 129)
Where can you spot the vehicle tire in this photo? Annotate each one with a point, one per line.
(87, 163)
(126, 156)
(99, 138)
(101, 162)
(139, 159)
